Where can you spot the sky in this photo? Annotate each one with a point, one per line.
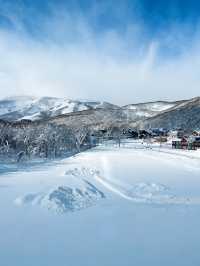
(120, 51)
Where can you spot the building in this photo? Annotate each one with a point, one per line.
(191, 143)
(196, 133)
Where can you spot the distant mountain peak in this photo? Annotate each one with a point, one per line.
(34, 108)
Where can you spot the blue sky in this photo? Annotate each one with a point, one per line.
(94, 49)
(154, 16)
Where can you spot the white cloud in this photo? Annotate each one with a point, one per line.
(73, 61)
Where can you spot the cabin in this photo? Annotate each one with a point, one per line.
(191, 143)
(159, 132)
(180, 133)
(196, 133)
(143, 134)
(161, 139)
(180, 143)
(196, 142)
(130, 133)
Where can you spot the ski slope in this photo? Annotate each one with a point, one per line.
(106, 206)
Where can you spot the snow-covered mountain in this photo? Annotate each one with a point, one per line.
(149, 109)
(34, 108)
(185, 114)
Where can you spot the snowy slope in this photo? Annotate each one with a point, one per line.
(109, 206)
(149, 109)
(98, 174)
(183, 115)
(33, 108)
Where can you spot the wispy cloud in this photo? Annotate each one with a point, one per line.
(64, 54)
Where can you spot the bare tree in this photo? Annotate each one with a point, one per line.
(80, 135)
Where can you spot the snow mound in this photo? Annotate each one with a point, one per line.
(83, 172)
(64, 198)
(152, 193)
(148, 190)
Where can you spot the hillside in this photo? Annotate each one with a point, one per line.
(184, 115)
(75, 114)
(149, 109)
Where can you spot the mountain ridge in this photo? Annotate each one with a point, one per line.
(168, 114)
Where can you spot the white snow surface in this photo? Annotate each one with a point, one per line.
(132, 205)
